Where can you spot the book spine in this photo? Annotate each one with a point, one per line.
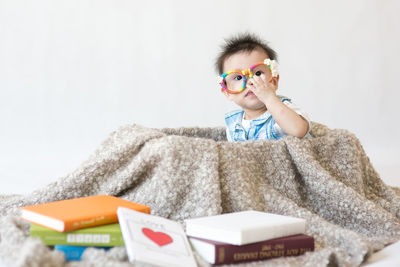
(71, 253)
(80, 239)
(228, 254)
(90, 222)
(74, 253)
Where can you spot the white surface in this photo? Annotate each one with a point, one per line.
(245, 227)
(387, 257)
(205, 250)
(52, 223)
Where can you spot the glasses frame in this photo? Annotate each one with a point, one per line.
(243, 73)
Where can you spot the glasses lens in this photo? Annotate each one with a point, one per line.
(261, 70)
(234, 81)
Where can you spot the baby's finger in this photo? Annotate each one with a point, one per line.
(266, 81)
(264, 78)
(257, 80)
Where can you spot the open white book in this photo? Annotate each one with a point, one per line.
(154, 240)
(245, 227)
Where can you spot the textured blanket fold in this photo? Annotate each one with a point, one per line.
(190, 172)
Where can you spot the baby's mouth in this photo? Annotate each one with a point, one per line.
(249, 93)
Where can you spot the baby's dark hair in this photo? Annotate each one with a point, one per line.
(242, 42)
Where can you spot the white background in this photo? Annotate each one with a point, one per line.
(73, 71)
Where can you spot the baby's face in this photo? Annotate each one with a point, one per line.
(240, 61)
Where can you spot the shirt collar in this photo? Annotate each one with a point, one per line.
(234, 118)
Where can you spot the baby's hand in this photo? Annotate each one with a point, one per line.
(262, 88)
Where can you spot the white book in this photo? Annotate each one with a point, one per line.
(245, 227)
(154, 240)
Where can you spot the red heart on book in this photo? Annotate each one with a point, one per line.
(159, 238)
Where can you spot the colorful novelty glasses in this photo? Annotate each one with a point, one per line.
(234, 81)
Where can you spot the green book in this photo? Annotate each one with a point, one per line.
(108, 235)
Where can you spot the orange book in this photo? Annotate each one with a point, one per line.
(78, 213)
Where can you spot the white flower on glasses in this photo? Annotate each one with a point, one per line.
(273, 65)
(220, 79)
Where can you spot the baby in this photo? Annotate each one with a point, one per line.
(249, 77)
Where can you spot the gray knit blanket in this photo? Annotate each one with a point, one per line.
(190, 172)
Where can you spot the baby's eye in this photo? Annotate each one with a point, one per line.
(258, 73)
(238, 78)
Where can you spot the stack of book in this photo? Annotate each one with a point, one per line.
(73, 225)
(248, 236)
(103, 221)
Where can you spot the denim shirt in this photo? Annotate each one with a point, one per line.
(262, 128)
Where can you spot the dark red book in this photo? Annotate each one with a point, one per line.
(222, 253)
